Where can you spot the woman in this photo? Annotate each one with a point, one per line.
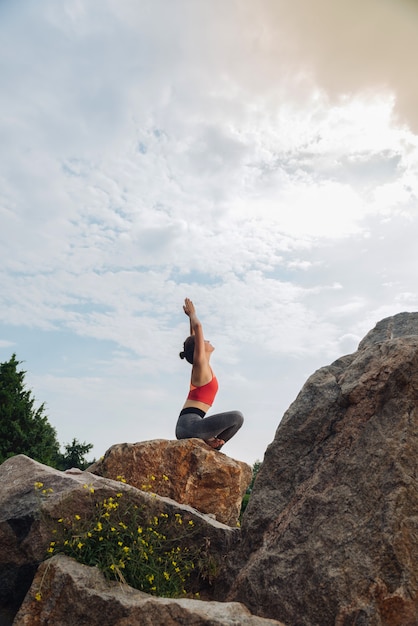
(216, 429)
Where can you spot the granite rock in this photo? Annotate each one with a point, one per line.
(33, 497)
(188, 471)
(70, 593)
(330, 535)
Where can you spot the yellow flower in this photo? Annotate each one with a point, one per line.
(38, 485)
(80, 545)
(165, 477)
(38, 596)
(77, 517)
(166, 575)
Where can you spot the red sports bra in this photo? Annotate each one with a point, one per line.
(205, 393)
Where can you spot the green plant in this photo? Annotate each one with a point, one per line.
(247, 495)
(74, 455)
(24, 429)
(148, 553)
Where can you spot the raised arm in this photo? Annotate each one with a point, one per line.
(196, 329)
(190, 311)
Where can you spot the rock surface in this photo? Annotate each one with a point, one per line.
(330, 535)
(76, 594)
(28, 516)
(188, 471)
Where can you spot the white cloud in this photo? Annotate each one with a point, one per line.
(153, 151)
(4, 343)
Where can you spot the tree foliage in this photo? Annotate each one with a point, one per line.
(24, 429)
(74, 455)
(247, 495)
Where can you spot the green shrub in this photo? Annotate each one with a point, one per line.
(152, 556)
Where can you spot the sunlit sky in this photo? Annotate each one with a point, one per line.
(257, 156)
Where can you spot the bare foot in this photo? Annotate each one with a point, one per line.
(215, 443)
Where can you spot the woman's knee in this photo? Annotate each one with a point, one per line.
(239, 419)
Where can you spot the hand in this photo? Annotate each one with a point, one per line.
(188, 307)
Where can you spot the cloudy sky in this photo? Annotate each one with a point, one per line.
(257, 156)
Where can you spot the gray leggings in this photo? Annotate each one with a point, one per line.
(221, 425)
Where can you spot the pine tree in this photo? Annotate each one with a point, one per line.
(74, 455)
(23, 429)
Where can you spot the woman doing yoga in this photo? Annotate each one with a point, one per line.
(215, 429)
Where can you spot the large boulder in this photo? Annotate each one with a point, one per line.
(33, 497)
(330, 535)
(66, 593)
(189, 471)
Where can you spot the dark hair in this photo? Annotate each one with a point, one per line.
(188, 350)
